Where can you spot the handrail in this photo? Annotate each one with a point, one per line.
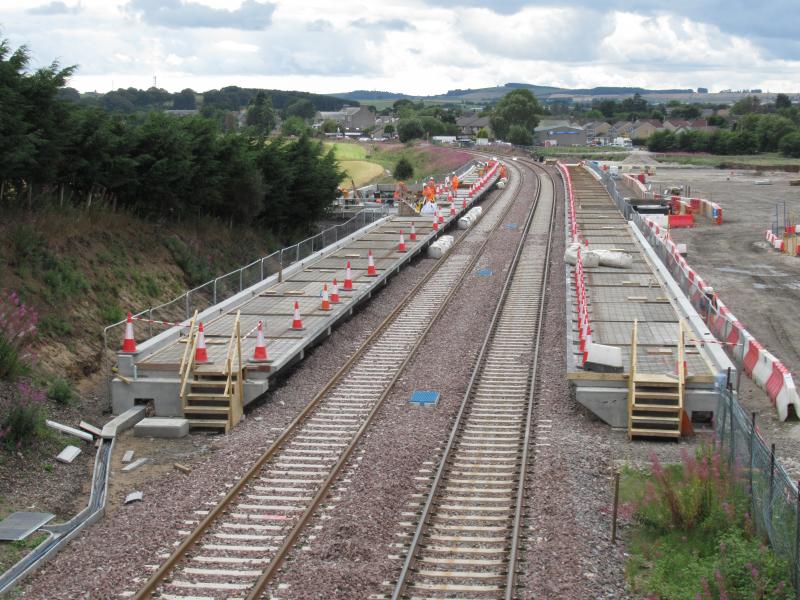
(191, 345)
(228, 357)
(188, 343)
(632, 374)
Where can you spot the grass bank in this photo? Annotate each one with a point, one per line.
(768, 161)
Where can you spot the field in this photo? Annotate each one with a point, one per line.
(765, 161)
(352, 158)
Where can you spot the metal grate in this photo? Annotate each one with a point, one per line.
(425, 397)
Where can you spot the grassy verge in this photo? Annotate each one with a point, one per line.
(692, 537)
(583, 152)
(766, 161)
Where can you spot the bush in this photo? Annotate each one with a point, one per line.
(17, 332)
(60, 391)
(790, 145)
(24, 416)
(403, 169)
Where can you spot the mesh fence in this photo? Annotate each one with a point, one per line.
(225, 286)
(773, 495)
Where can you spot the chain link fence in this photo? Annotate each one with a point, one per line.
(221, 288)
(775, 505)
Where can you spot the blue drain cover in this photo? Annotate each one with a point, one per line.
(511, 226)
(486, 272)
(425, 397)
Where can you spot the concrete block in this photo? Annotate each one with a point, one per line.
(124, 421)
(95, 431)
(602, 358)
(128, 456)
(134, 465)
(133, 497)
(87, 437)
(68, 454)
(160, 427)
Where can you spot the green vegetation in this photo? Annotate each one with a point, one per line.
(517, 114)
(154, 165)
(693, 537)
(14, 551)
(403, 169)
(767, 160)
(23, 415)
(61, 391)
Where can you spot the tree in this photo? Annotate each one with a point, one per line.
(294, 126)
(790, 144)
(185, 100)
(409, 129)
(782, 101)
(388, 129)
(519, 135)
(482, 133)
(302, 108)
(518, 107)
(662, 141)
(595, 115)
(260, 115)
(403, 169)
(771, 129)
(329, 126)
(747, 105)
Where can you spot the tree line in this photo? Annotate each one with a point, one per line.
(53, 151)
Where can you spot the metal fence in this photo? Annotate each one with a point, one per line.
(225, 286)
(774, 502)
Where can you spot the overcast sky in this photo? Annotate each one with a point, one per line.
(414, 46)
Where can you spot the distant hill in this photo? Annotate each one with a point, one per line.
(492, 94)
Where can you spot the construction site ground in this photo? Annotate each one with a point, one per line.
(759, 285)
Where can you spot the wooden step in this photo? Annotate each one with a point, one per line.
(637, 431)
(655, 407)
(654, 380)
(222, 410)
(208, 424)
(207, 396)
(650, 419)
(655, 395)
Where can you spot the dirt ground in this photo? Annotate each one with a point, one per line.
(759, 285)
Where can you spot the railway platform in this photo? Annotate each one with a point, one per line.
(644, 298)
(164, 373)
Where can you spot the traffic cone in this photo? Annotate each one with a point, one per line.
(260, 352)
(435, 221)
(201, 355)
(348, 278)
(452, 208)
(371, 272)
(401, 247)
(326, 301)
(297, 322)
(413, 236)
(335, 292)
(441, 215)
(464, 204)
(129, 343)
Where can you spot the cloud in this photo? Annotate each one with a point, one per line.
(384, 25)
(178, 14)
(55, 8)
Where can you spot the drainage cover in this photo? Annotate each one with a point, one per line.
(425, 397)
(511, 226)
(486, 272)
(19, 525)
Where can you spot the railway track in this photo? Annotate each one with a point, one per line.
(240, 543)
(465, 541)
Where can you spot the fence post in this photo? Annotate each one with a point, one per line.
(262, 269)
(752, 448)
(796, 570)
(150, 322)
(187, 303)
(215, 290)
(733, 437)
(771, 484)
(241, 275)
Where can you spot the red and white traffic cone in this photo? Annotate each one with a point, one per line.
(348, 278)
(129, 343)
(297, 322)
(401, 246)
(441, 215)
(335, 292)
(435, 221)
(464, 203)
(371, 272)
(201, 354)
(452, 208)
(326, 301)
(413, 235)
(260, 352)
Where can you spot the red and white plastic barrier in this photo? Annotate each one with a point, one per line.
(766, 371)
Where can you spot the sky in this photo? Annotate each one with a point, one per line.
(418, 47)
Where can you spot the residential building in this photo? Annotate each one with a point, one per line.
(472, 124)
(349, 118)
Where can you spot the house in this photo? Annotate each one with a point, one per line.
(470, 125)
(621, 129)
(349, 118)
(674, 125)
(559, 133)
(645, 128)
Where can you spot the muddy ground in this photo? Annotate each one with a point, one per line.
(759, 285)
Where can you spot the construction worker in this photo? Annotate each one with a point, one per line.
(455, 182)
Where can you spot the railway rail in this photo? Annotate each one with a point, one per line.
(238, 546)
(466, 538)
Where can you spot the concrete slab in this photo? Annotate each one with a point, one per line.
(19, 525)
(124, 421)
(128, 456)
(134, 465)
(162, 427)
(68, 454)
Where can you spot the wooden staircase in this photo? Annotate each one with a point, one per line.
(655, 401)
(212, 395)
